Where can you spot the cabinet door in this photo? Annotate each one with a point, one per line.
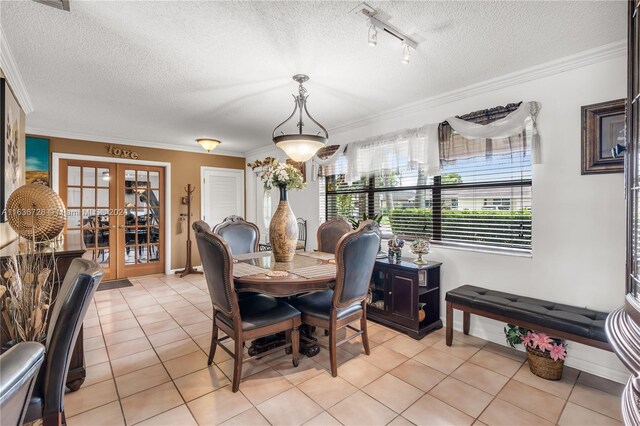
(402, 294)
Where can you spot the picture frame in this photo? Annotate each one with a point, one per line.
(12, 155)
(603, 126)
(37, 165)
(301, 166)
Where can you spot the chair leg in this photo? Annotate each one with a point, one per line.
(55, 419)
(237, 364)
(365, 334)
(449, 333)
(466, 322)
(287, 339)
(214, 341)
(295, 345)
(332, 351)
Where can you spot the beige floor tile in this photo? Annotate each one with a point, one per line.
(182, 310)
(204, 342)
(134, 362)
(182, 365)
(192, 318)
(597, 400)
(146, 310)
(176, 416)
(117, 317)
(458, 348)
(380, 334)
(354, 346)
(159, 327)
(359, 372)
(400, 421)
(97, 373)
(199, 328)
(251, 417)
(385, 358)
(532, 400)
(119, 326)
(89, 332)
(323, 419)
(264, 385)
(140, 380)
(148, 403)
(174, 302)
(89, 397)
(439, 360)
(560, 388)
(514, 354)
(494, 362)
(93, 343)
(153, 318)
(201, 382)
(166, 337)
(326, 390)
(123, 336)
(462, 396)
(324, 360)
(248, 367)
(106, 415)
(216, 407)
(480, 378)
(176, 349)
(575, 415)
(431, 339)
(419, 375)
(307, 369)
(128, 348)
(280, 410)
(479, 423)
(393, 392)
(96, 356)
(405, 345)
(432, 411)
(501, 413)
(361, 409)
(600, 383)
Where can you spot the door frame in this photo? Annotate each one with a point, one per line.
(240, 172)
(55, 185)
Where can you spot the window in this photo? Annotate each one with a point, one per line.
(480, 200)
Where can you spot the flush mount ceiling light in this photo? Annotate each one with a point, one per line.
(208, 144)
(300, 146)
(376, 22)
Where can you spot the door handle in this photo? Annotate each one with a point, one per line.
(121, 226)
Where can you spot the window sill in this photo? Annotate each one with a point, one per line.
(487, 250)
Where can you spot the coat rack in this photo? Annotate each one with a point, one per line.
(188, 269)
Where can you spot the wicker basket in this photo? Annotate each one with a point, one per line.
(36, 212)
(541, 364)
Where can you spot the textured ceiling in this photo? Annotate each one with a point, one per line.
(173, 71)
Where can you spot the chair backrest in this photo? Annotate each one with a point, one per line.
(70, 308)
(200, 226)
(355, 257)
(242, 236)
(330, 232)
(302, 231)
(18, 369)
(217, 263)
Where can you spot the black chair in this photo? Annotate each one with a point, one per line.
(302, 235)
(70, 308)
(255, 316)
(330, 232)
(18, 369)
(338, 308)
(242, 236)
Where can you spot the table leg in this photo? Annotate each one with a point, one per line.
(308, 345)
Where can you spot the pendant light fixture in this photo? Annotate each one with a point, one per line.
(208, 144)
(301, 146)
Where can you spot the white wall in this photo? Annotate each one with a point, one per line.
(578, 221)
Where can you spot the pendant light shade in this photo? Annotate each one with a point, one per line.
(300, 146)
(208, 144)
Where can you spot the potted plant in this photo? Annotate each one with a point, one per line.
(545, 354)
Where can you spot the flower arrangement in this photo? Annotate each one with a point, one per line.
(555, 348)
(278, 174)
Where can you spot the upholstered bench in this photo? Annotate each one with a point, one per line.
(563, 321)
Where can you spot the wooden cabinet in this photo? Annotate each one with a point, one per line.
(397, 291)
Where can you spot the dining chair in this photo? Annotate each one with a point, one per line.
(330, 232)
(242, 236)
(244, 319)
(65, 320)
(336, 309)
(302, 234)
(18, 369)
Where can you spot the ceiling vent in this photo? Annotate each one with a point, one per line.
(58, 4)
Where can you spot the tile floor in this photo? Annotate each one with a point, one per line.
(146, 364)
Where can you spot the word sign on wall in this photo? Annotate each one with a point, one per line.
(115, 151)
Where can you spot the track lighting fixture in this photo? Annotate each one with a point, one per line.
(373, 35)
(406, 53)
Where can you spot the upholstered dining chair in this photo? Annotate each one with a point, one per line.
(65, 320)
(242, 236)
(245, 319)
(18, 369)
(330, 232)
(338, 308)
(302, 234)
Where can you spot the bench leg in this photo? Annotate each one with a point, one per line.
(449, 331)
(466, 322)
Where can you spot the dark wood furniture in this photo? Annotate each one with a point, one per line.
(330, 232)
(580, 325)
(398, 289)
(69, 248)
(302, 234)
(623, 324)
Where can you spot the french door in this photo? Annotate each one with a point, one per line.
(118, 209)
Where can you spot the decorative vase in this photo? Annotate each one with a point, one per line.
(541, 364)
(283, 230)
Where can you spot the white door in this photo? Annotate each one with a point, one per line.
(222, 194)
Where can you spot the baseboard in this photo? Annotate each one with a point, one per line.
(173, 271)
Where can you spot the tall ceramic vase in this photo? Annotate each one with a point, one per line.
(283, 230)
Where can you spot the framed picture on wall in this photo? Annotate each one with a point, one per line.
(300, 166)
(11, 155)
(37, 161)
(603, 126)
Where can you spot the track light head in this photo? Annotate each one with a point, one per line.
(373, 35)
(406, 53)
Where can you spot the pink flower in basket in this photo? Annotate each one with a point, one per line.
(557, 352)
(527, 339)
(541, 341)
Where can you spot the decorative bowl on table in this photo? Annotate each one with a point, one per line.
(420, 246)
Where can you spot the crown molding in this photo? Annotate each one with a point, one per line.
(12, 74)
(87, 137)
(263, 150)
(581, 59)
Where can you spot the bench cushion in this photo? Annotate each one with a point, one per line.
(569, 319)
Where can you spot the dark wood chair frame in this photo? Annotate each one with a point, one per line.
(302, 232)
(336, 221)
